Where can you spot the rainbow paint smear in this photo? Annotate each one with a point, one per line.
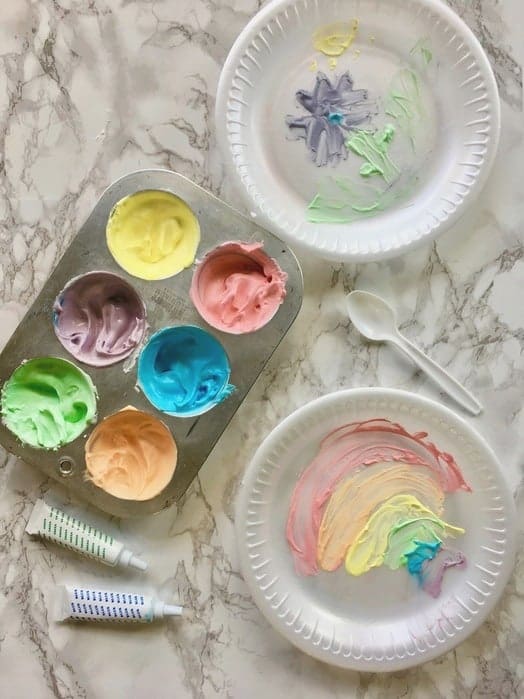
(374, 496)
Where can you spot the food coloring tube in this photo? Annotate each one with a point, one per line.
(53, 524)
(91, 604)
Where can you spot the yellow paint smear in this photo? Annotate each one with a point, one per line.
(334, 39)
(370, 546)
(153, 234)
(357, 497)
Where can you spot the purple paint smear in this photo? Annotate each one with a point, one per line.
(434, 569)
(334, 110)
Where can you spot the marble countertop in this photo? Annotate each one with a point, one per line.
(92, 89)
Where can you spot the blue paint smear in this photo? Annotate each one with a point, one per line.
(184, 371)
(424, 551)
(335, 117)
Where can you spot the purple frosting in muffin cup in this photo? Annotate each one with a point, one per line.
(99, 318)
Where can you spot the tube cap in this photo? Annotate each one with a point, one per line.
(137, 563)
(128, 558)
(161, 609)
(173, 610)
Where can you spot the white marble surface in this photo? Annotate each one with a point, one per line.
(92, 89)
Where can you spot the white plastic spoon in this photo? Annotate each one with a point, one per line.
(377, 321)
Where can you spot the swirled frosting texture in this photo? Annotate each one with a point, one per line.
(48, 402)
(99, 318)
(237, 288)
(131, 455)
(374, 495)
(184, 371)
(153, 234)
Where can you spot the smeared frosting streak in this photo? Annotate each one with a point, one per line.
(333, 110)
(333, 39)
(433, 570)
(350, 504)
(371, 495)
(373, 148)
(369, 547)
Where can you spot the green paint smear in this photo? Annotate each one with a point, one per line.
(48, 402)
(373, 148)
(346, 199)
(403, 102)
(404, 538)
(421, 48)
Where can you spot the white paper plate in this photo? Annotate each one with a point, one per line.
(379, 621)
(457, 127)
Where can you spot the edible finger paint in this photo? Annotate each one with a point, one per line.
(333, 39)
(153, 234)
(422, 48)
(237, 288)
(48, 402)
(369, 548)
(184, 371)
(331, 132)
(352, 502)
(131, 455)
(372, 496)
(333, 109)
(374, 149)
(347, 199)
(433, 569)
(404, 536)
(99, 318)
(423, 551)
(404, 101)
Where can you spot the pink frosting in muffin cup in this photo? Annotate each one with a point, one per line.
(237, 287)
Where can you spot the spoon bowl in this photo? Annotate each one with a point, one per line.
(372, 316)
(377, 321)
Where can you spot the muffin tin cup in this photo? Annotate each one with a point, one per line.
(137, 430)
(167, 303)
(203, 343)
(249, 259)
(120, 287)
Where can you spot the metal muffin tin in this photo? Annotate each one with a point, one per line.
(168, 303)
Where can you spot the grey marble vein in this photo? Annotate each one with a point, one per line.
(486, 20)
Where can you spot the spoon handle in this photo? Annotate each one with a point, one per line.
(450, 385)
